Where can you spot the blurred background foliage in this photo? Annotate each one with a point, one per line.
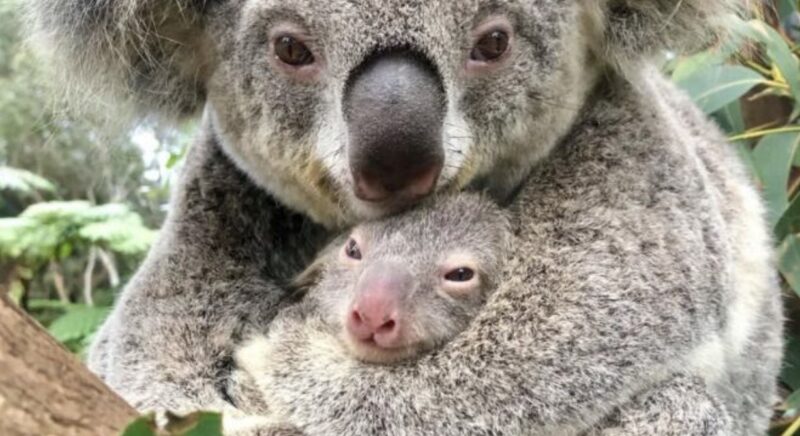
(79, 206)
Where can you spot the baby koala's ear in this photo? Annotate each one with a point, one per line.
(303, 282)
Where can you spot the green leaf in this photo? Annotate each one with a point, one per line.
(688, 66)
(78, 322)
(772, 158)
(176, 158)
(717, 86)
(789, 222)
(43, 304)
(792, 404)
(64, 251)
(791, 371)
(142, 426)
(789, 262)
(730, 118)
(786, 7)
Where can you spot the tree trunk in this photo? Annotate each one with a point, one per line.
(45, 390)
(58, 281)
(107, 259)
(88, 273)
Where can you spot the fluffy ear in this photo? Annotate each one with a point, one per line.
(151, 53)
(640, 28)
(301, 284)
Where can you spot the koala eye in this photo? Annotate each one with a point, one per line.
(351, 249)
(292, 51)
(490, 46)
(462, 274)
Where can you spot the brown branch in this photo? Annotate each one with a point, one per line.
(45, 390)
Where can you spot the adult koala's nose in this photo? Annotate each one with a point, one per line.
(394, 105)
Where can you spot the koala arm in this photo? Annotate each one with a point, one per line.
(217, 272)
(617, 276)
(681, 406)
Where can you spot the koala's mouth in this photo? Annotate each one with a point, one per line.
(396, 203)
(367, 350)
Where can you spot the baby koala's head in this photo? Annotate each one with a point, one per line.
(408, 283)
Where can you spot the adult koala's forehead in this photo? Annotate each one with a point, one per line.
(347, 31)
(342, 33)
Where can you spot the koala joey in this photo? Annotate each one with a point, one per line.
(407, 284)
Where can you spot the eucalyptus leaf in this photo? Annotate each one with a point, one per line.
(793, 403)
(789, 223)
(790, 374)
(772, 159)
(715, 87)
(730, 117)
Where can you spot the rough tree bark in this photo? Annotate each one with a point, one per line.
(45, 390)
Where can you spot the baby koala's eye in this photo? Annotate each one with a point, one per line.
(462, 274)
(351, 249)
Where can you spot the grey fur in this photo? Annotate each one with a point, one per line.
(464, 228)
(605, 303)
(662, 411)
(641, 264)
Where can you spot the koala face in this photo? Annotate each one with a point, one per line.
(352, 110)
(406, 284)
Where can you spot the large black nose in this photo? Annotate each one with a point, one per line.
(394, 105)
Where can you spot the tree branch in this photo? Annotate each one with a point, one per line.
(45, 390)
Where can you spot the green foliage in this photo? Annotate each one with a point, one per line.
(78, 198)
(715, 87)
(194, 424)
(24, 182)
(37, 135)
(757, 72)
(78, 323)
(52, 231)
(55, 229)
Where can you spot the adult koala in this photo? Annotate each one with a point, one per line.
(641, 293)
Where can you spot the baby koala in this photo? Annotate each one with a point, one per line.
(386, 293)
(399, 286)
(406, 284)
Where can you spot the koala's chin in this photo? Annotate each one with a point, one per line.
(362, 210)
(368, 210)
(370, 352)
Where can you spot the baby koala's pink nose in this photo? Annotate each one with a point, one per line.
(380, 326)
(376, 313)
